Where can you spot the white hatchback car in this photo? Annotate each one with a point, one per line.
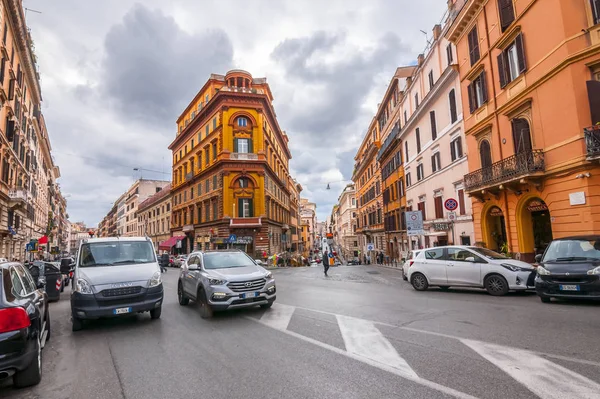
(410, 258)
(465, 266)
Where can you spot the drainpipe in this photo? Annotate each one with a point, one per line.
(493, 86)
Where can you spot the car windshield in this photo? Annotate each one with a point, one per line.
(115, 253)
(488, 253)
(224, 260)
(570, 250)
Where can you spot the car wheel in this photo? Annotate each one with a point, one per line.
(32, 375)
(183, 301)
(76, 324)
(206, 311)
(267, 305)
(496, 285)
(419, 281)
(545, 299)
(155, 313)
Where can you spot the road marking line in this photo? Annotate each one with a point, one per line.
(454, 337)
(278, 316)
(362, 338)
(544, 378)
(421, 381)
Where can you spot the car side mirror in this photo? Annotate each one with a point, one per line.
(193, 266)
(470, 259)
(538, 258)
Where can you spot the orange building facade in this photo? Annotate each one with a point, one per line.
(530, 72)
(230, 169)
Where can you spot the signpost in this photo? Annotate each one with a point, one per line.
(451, 204)
(370, 247)
(414, 223)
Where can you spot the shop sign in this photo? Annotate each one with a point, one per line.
(441, 226)
(219, 240)
(242, 240)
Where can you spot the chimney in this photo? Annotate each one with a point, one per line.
(437, 31)
(420, 59)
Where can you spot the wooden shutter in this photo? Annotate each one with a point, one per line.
(461, 202)
(433, 125)
(433, 163)
(453, 151)
(251, 206)
(484, 91)
(418, 136)
(596, 11)
(502, 69)
(452, 99)
(521, 53)
(11, 89)
(235, 145)
(250, 149)
(449, 53)
(439, 208)
(473, 46)
(2, 66)
(593, 89)
(459, 151)
(471, 94)
(507, 13)
(406, 150)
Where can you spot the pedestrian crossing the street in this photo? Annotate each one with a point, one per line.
(437, 361)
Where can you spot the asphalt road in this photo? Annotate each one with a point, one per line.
(361, 333)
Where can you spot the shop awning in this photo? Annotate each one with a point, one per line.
(169, 243)
(43, 240)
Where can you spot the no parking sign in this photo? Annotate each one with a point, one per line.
(451, 204)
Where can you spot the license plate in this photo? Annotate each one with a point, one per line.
(569, 288)
(122, 310)
(249, 294)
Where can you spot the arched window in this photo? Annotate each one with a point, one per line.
(485, 154)
(242, 121)
(243, 182)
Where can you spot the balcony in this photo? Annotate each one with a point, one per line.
(18, 196)
(245, 222)
(242, 156)
(592, 142)
(189, 176)
(509, 169)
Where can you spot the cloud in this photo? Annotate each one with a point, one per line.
(153, 68)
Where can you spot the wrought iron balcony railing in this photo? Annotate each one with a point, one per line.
(506, 170)
(592, 141)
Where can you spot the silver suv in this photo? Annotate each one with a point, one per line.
(226, 279)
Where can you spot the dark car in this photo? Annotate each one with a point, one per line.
(67, 277)
(569, 268)
(24, 325)
(48, 276)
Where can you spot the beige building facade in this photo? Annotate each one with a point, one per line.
(154, 217)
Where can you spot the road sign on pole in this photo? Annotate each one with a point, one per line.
(414, 223)
(452, 216)
(451, 204)
(370, 247)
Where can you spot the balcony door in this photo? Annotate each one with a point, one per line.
(521, 135)
(485, 155)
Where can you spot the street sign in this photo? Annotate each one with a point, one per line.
(370, 246)
(232, 238)
(452, 216)
(451, 204)
(414, 223)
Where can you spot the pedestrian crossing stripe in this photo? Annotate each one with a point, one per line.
(364, 342)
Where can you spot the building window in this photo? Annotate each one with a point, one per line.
(406, 150)
(456, 149)
(433, 125)
(485, 154)
(245, 208)
(421, 207)
(405, 117)
(461, 201)
(416, 100)
(507, 13)
(473, 40)
(439, 207)
(431, 82)
(207, 212)
(521, 135)
(215, 210)
(214, 182)
(214, 149)
(511, 62)
(449, 55)
(420, 172)
(477, 91)
(242, 122)
(207, 130)
(452, 101)
(435, 162)
(207, 156)
(596, 11)
(207, 185)
(242, 146)
(408, 182)
(243, 182)
(418, 138)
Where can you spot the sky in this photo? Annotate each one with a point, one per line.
(116, 74)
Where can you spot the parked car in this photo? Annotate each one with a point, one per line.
(465, 266)
(48, 276)
(225, 279)
(260, 262)
(408, 262)
(3, 260)
(569, 268)
(115, 276)
(67, 277)
(24, 325)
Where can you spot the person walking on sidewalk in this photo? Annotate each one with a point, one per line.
(325, 262)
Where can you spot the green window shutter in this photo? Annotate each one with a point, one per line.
(240, 207)
(251, 206)
(235, 145)
(250, 149)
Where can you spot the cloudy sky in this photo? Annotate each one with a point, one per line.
(117, 73)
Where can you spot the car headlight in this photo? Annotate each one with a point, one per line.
(594, 271)
(216, 281)
(269, 275)
(513, 267)
(83, 287)
(155, 280)
(541, 271)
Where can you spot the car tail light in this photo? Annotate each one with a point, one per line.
(12, 319)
